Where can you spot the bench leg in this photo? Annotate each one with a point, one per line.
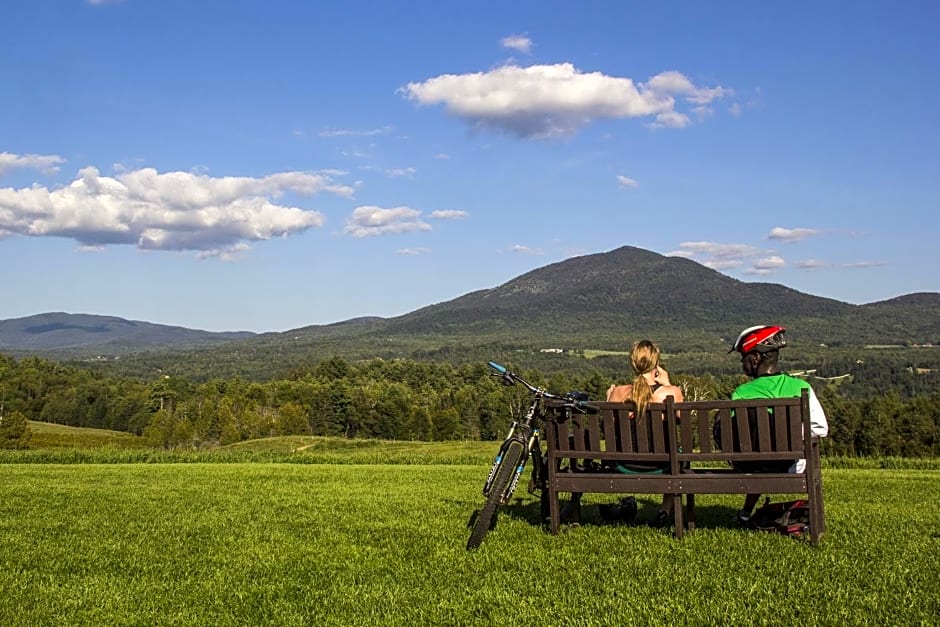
(554, 510)
(817, 515)
(677, 515)
(690, 511)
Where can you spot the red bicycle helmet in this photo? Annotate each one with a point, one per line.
(762, 338)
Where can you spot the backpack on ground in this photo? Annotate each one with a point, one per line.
(790, 518)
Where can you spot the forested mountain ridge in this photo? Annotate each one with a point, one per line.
(597, 301)
(58, 330)
(612, 298)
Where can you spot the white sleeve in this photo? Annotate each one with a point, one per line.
(817, 417)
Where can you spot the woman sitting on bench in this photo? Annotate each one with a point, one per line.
(650, 385)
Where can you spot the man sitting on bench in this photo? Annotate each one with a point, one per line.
(759, 347)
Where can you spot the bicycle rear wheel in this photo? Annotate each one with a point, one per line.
(505, 473)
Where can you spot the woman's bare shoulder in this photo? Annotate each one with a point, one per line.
(619, 393)
(667, 390)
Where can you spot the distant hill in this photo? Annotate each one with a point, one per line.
(605, 300)
(629, 293)
(63, 331)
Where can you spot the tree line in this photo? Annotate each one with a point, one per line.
(404, 399)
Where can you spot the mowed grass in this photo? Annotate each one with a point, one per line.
(47, 435)
(383, 544)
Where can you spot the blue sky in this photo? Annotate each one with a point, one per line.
(269, 165)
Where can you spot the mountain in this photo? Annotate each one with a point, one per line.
(605, 300)
(616, 297)
(64, 331)
(627, 291)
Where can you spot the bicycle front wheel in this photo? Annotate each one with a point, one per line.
(504, 475)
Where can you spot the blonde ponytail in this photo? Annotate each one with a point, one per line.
(644, 357)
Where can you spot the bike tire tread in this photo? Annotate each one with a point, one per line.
(504, 475)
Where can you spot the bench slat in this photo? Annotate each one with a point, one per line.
(704, 430)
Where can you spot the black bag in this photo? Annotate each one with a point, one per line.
(790, 518)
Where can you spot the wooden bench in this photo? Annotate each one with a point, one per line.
(678, 438)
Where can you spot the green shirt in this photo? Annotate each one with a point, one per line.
(784, 386)
(773, 386)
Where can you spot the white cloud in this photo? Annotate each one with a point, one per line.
(413, 251)
(716, 250)
(626, 181)
(171, 211)
(811, 264)
(673, 82)
(391, 172)
(791, 235)
(766, 265)
(670, 119)
(397, 172)
(722, 264)
(369, 220)
(517, 42)
(865, 264)
(345, 132)
(47, 164)
(442, 156)
(542, 101)
(735, 109)
(230, 253)
(718, 256)
(449, 214)
(525, 250)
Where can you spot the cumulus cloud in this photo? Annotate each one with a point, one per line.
(626, 181)
(719, 256)
(517, 42)
(791, 235)
(179, 211)
(47, 164)
(542, 101)
(670, 119)
(369, 220)
(766, 265)
(716, 255)
(412, 251)
(449, 214)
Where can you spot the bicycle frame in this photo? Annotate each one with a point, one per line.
(526, 430)
(522, 431)
(521, 442)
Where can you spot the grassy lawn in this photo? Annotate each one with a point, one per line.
(47, 435)
(325, 544)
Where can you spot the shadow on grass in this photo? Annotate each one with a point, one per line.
(706, 516)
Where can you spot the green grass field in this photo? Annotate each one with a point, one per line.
(47, 435)
(383, 544)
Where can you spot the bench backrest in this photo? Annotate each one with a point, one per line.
(765, 429)
(614, 433)
(762, 429)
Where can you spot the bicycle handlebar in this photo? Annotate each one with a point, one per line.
(575, 399)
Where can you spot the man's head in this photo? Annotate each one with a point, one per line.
(759, 348)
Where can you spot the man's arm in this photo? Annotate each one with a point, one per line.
(817, 417)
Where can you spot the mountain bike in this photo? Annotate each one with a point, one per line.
(521, 443)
